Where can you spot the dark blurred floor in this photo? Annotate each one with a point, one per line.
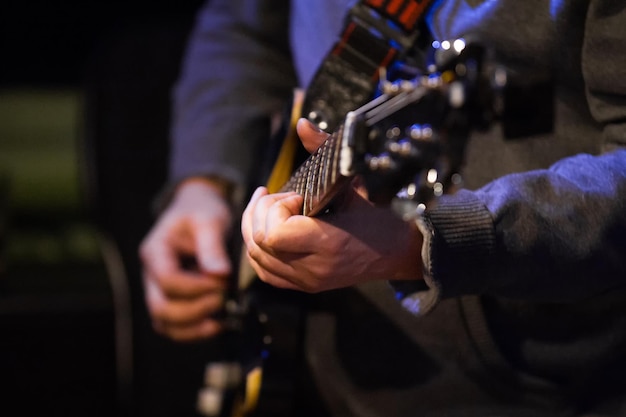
(57, 349)
(84, 113)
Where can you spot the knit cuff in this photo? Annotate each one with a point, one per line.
(459, 240)
(463, 245)
(420, 296)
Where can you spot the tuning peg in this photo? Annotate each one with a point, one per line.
(381, 162)
(403, 148)
(420, 132)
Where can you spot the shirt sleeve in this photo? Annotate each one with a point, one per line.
(557, 234)
(236, 74)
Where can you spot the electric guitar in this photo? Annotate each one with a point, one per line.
(407, 146)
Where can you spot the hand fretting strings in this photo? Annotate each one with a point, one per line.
(318, 179)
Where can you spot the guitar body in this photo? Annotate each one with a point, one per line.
(282, 366)
(413, 135)
(276, 318)
(265, 325)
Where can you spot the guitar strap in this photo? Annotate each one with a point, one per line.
(376, 34)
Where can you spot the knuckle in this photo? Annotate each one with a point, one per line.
(271, 239)
(266, 201)
(253, 253)
(257, 254)
(167, 285)
(179, 315)
(258, 236)
(213, 303)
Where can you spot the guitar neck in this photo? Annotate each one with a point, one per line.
(318, 180)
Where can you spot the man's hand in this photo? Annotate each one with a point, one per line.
(195, 226)
(357, 242)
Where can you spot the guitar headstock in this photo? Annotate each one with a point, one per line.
(409, 142)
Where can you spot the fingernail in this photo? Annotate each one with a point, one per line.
(216, 266)
(257, 192)
(314, 126)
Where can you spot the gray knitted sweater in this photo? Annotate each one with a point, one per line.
(526, 280)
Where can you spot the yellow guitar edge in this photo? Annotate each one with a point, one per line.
(283, 168)
(281, 172)
(253, 391)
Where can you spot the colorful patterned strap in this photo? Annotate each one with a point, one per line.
(405, 13)
(376, 34)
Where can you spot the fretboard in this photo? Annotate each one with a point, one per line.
(318, 180)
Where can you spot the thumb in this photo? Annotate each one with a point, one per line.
(310, 135)
(211, 249)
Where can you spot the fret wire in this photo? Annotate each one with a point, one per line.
(305, 173)
(327, 161)
(331, 157)
(302, 179)
(335, 164)
(293, 182)
(306, 184)
(318, 167)
(312, 180)
(298, 188)
(291, 185)
(296, 180)
(287, 185)
(299, 182)
(315, 177)
(321, 183)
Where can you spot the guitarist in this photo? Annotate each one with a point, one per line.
(511, 301)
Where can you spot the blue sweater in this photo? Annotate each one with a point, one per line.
(526, 279)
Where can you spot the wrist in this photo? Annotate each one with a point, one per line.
(410, 267)
(211, 184)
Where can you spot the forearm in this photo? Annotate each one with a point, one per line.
(556, 234)
(236, 74)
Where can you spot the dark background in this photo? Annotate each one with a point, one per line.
(64, 349)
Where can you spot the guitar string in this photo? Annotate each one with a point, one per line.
(335, 164)
(314, 179)
(307, 184)
(324, 170)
